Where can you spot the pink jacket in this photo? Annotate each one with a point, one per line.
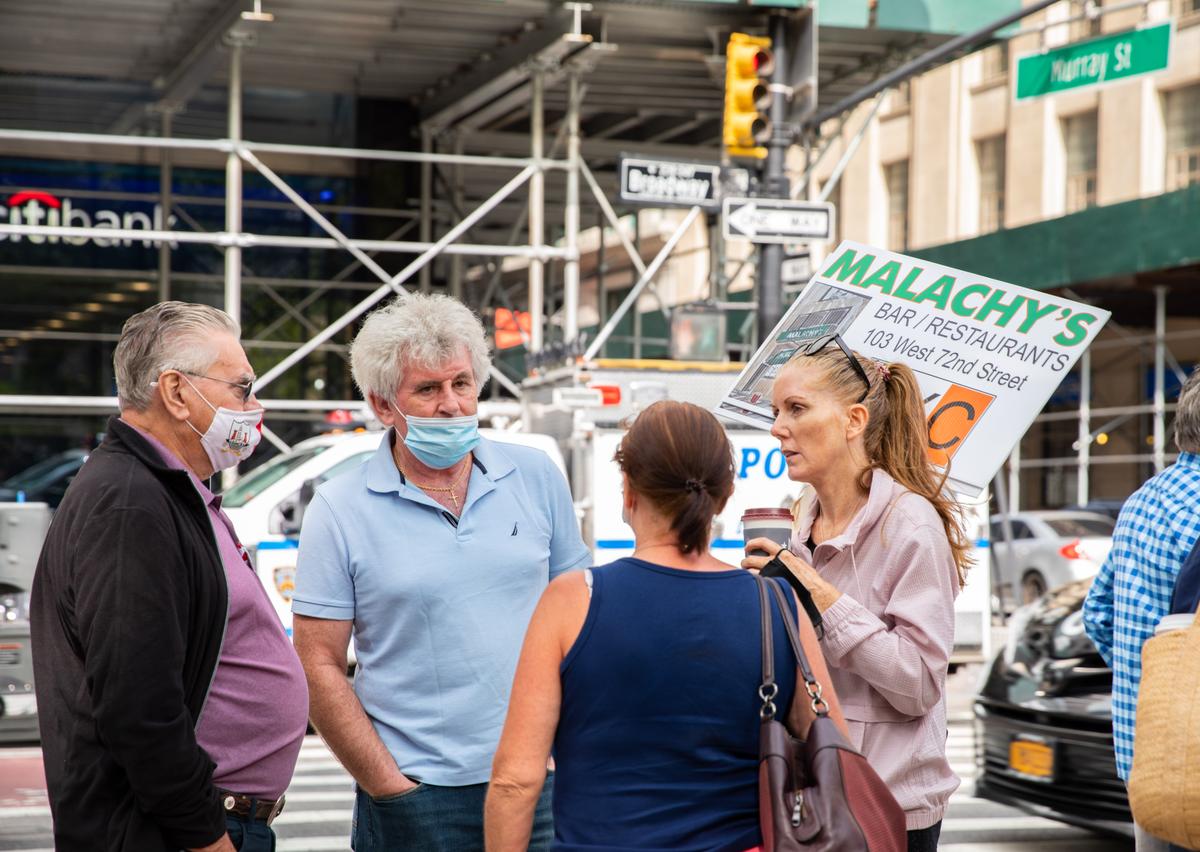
(888, 638)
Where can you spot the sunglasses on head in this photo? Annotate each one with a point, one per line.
(821, 342)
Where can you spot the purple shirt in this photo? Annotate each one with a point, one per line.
(256, 714)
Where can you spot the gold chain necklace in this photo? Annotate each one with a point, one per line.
(442, 489)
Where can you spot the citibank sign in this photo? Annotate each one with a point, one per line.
(41, 208)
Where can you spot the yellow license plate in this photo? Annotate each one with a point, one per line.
(1031, 758)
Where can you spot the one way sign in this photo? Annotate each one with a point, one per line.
(777, 220)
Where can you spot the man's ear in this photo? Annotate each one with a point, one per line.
(382, 408)
(170, 389)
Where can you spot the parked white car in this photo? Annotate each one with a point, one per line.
(1048, 550)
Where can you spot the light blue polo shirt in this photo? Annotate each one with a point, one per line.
(439, 605)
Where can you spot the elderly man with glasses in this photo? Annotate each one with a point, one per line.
(433, 555)
(171, 703)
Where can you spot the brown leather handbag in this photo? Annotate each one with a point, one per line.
(819, 793)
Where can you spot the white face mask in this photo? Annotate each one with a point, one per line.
(232, 435)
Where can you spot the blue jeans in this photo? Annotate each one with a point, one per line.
(249, 836)
(436, 819)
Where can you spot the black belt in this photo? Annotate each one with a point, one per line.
(240, 806)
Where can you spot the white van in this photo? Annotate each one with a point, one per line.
(267, 505)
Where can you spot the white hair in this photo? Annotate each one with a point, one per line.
(416, 329)
(166, 336)
(1187, 415)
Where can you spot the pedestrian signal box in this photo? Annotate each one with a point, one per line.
(749, 64)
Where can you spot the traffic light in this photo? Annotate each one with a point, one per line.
(748, 67)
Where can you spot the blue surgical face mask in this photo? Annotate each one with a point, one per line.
(440, 442)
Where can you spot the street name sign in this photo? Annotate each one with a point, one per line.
(777, 220)
(655, 182)
(1099, 60)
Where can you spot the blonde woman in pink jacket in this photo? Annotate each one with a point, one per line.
(881, 550)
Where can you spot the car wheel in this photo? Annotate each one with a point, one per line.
(1033, 586)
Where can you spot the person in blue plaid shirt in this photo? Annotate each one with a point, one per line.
(1158, 527)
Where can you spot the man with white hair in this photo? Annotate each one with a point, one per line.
(433, 554)
(172, 706)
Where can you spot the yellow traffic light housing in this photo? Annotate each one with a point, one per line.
(749, 63)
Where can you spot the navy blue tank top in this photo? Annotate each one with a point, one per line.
(657, 741)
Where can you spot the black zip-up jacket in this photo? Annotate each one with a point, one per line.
(128, 613)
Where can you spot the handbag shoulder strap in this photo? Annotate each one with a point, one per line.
(768, 689)
(812, 685)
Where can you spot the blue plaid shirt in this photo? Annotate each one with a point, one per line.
(1156, 531)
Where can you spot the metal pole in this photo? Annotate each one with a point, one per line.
(456, 261)
(922, 62)
(770, 258)
(394, 285)
(426, 232)
(1085, 427)
(637, 315)
(650, 272)
(1014, 477)
(233, 186)
(851, 149)
(165, 178)
(537, 216)
(1160, 370)
(571, 215)
(601, 272)
(1006, 511)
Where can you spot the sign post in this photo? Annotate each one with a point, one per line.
(1100, 60)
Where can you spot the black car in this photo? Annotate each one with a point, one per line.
(46, 481)
(1044, 720)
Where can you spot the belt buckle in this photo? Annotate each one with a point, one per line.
(277, 810)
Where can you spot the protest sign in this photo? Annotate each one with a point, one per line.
(987, 354)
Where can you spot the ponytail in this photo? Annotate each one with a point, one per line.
(897, 440)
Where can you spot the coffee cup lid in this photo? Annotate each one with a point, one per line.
(1175, 621)
(767, 515)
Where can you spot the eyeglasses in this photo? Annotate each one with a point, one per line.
(821, 342)
(247, 388)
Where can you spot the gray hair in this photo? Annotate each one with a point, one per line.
(167, 336)
(416, 328)
(1187, 415)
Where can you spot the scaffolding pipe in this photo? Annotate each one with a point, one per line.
(537, 215)
(249, 240)
(636, 291)
(1160, 375)
(224, 146)
(165, 179)
(233, 186)
(611, 215)
(456, 261)
(571, 215)
(395, 283)
(425, 233)
(1082, 485)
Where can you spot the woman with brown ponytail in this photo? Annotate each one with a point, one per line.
(879, 546)
(643, 674)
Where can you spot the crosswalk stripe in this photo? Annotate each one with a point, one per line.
(339, 842)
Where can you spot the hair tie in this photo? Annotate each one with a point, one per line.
(885, 372)
(694, 485)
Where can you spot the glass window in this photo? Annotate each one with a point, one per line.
(989, 155)
(46, 471)
(1079, 140)
(346, 464)
(255, 482)
(1181, 113)
(1081, 527)
(995, 62)
(896, 177)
